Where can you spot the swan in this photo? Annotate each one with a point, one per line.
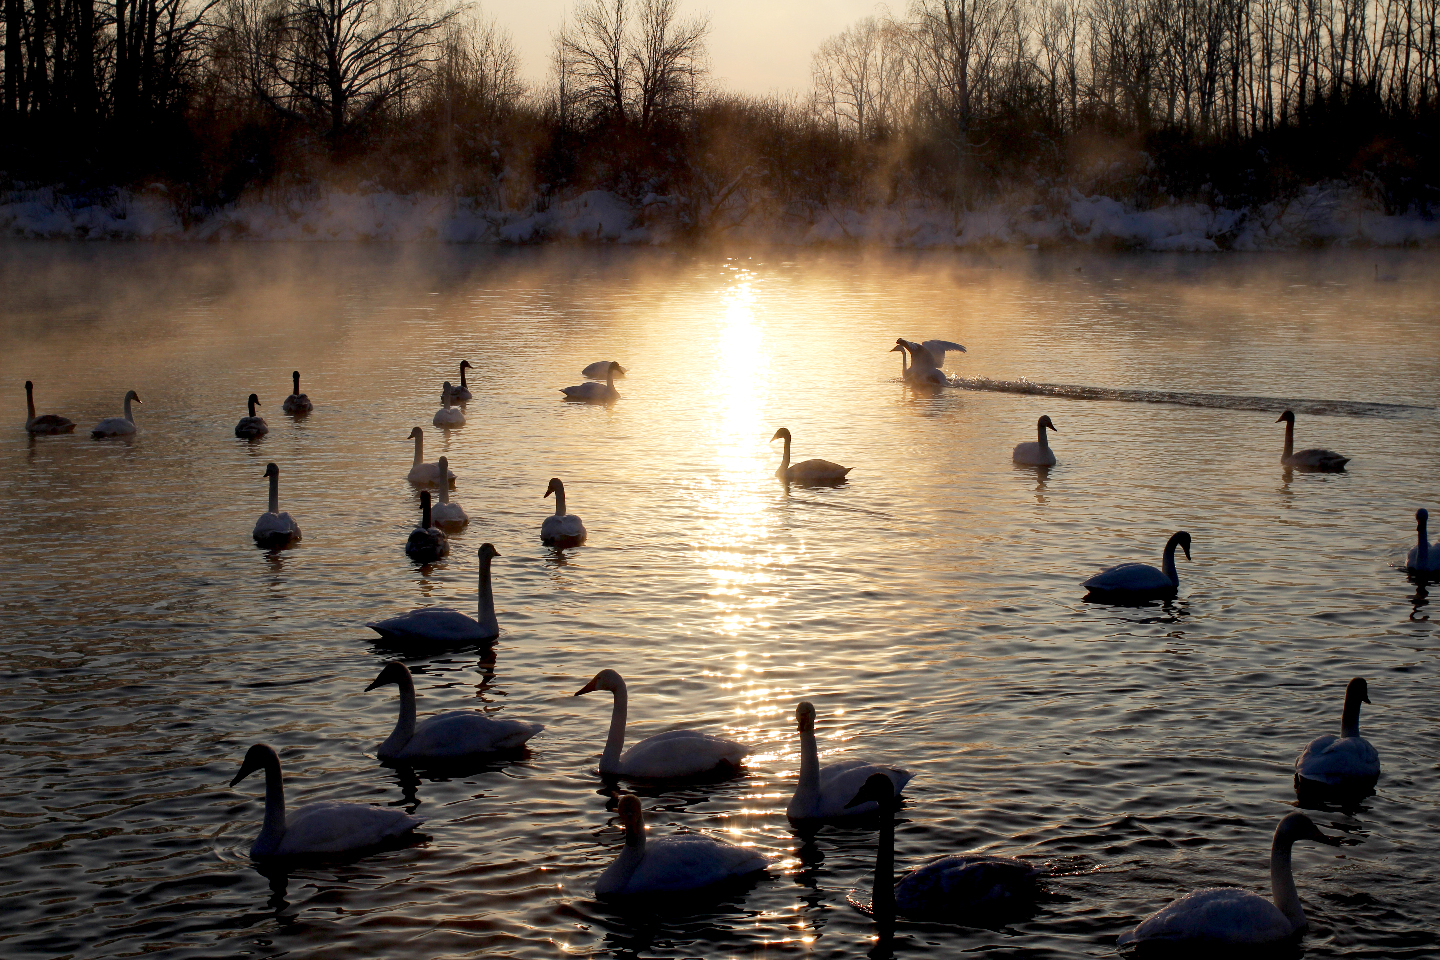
(445, 736)
(948, 889)
(46, 422)
(824, 792)
(1036, 453)
(665, 756)
(252, 427)
(275, 529)
(593, 392)
(445, 513)
(675, 864)
(325, 827)
(1140, 580)
(297, 402)
(422, 473)
(1422, 558)
(442, 627)
(815, 472)
(561, 529)
(1229, 916)
(1347, 761)
(461, 393)
(600, 370)
(448, 416)
(427, 542)
(1314, 459)
(922, 369)
(119, 426)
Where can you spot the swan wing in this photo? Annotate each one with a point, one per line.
(448, 513)
(339, 827)
(50, 423)
(584, 391)
(1431, 561)
(1317, 459)
(689, 861)
(113, 427)
(680, 753)
(432, 625)
(297, 403)
(967, 884)
(1334, 760)
(1129, 576)
(271, 525)
(463, 733)
(817, 471)
(1222, 915)
(938, 349)
(1032, 454)
(841, 780)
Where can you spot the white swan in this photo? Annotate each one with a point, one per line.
(427, 542)
(1140, 580)
(441, 627)
(422, 473)
(326, 827)
(275, 529)
(448, 416)
(1348, 761)
(297, 402)
(674, 864)
(601, 369)
(561, 529)
(1036, 453)
(593, 392)
(46, 422)
(807, 472)
(923, 369)
(1424, 557)
(825, 792)
(445, 736)
(665, 756)
(1229, 916)
(445, 513)
(252, 427)
(978, 887)
(461, 393)
(1315, 459)
(119, 426)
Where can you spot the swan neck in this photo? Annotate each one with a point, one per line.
(405, 726)
(559, 501)
(610, 759)
(274, 827)
(1289, 438)
(1282, 883)
(296, 377)
(30, 400)
(883, 892)
(785, 457)
(274, 493)
(128, 415)
(251, 405)
(419, 450)
(1044, 442)
(1350, 717)
(487, 598)
(462, 378)
(445, 399)
(1422, 539)
(426, 518)
(1168, 566)
(635, 836)
(445, 486)
(808, 788)
(610, 377)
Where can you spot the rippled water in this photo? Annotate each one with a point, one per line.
(929, 608)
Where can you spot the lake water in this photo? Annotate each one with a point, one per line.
(930, 608)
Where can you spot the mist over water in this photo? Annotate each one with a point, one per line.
(930, 608)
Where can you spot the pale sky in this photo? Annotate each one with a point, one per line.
(756, 46)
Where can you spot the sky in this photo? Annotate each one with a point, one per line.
(756, 46)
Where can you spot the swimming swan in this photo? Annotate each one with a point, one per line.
(461, 393)
(1036, 453)
(1315, 459)
(297, 402)
(252, 427)
(593, 392)
(448, 416)
(665, 756)
(811, 472)
(441, 627)
(421, 473)
(325, 827)
(673, 864)
(977, 886)
(561, 529)
(600, 370)
(275, 529)
(427, 542)
(445, 736)
(46, 422)
(825, 792)
(1423, 557)
(445, 513)
(1347, 761)
(923, 369)
(1140, 580)
(1229, 916)
(119, 426)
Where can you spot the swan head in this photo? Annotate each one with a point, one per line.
(294, 374)
(271, 470)
(1181, 539)
(878, 788)
(781, 434)
(393, 672)
(1297, 826)
(805, 716)
(1357, 690)
(425, 508)
(606, 679)
(616, 369)
(1288, 416)
(447, 386)
(631, 815)
(257, 757)
(415, 432)
(1422, 516)
(1045, 423)
(488, 551)
(132, 395)
(29, 386)
(555, 487)
(444, 464)
(253, 398)
(466, 365)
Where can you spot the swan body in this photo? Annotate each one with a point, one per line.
(442, 627)
(327, 827)
(297, 402)
(461, 393)
(923, 370)
(593, 392)
(427, 542)
(1036, 453)
(665, 756)
(119, 426)
(1226, 916)
(445, 513)
(448, 416)
(561, 529)
(1424, 557)
(275, 529)
(824, 792)
(1314, 460)
(673, 864)
(252, 427)
(424, 474)
(445, 736)
(45, 422)
(600, 370)
(1348, 760)
(1140, 580)
(807, 472)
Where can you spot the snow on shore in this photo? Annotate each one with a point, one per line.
(1325, 214)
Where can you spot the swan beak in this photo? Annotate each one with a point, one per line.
(377, 682)
(895, 349)
(588, 688)
(245, 771)
(1366, 699)
(1279, 418)
(1187, 553)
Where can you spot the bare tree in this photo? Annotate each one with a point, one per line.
(595, 57)
(664, 56)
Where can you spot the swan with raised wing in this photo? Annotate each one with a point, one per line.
(445, 513)
(444, 736)
(427, 542)
(1424, 557)
(826, 792)
(45, 422)
(252, 427)
(422, 473)
(1349, 762)
(807, 472)
(678, 863)
(448, 416)
(922, 371)
(593, 392)
(297, 404)
(1036, 453)
(1140, 581)
(434, 627)
(119, 426)
(275, 529)
(1314, 459)
(561, 529)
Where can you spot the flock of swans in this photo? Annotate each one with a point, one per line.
(965, 888)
